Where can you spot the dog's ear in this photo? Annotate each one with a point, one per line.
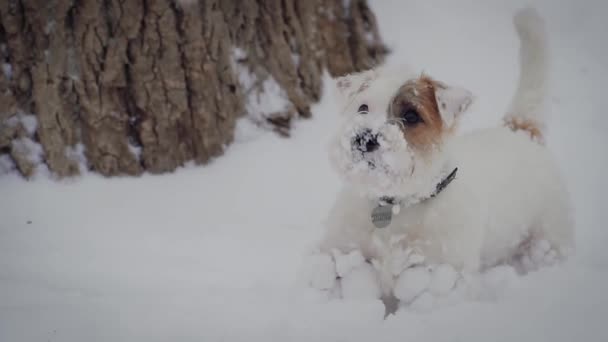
(452, 102)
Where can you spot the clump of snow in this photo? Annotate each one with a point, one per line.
(49, 28)
(263, 98)
(344, 275)
(28, 148)
(6, 164)
(25, 146)
(247, 130)
(347, 262)
(269, 98)
(73, 70)
(360, 283)
(369, 37)
(135, 150)
(76, 153)
(28, 121)
(296, 59)
(427, 288)
(541, 254)
(443, 279)
(7, 69)
(411, 283)
(238, 54)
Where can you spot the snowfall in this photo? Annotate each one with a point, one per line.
(215, 252)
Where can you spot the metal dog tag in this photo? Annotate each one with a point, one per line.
(382, 215)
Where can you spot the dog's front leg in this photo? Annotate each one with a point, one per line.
(439, 253)
(342, 265)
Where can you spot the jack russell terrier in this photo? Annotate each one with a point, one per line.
(421, 204)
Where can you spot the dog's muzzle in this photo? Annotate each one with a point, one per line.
(365, 141)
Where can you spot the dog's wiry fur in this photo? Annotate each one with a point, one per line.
(419, 94)
(532, 87)
(507, 195)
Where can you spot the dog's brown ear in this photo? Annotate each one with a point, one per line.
(452, 101)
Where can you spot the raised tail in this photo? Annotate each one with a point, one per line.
(526, 110)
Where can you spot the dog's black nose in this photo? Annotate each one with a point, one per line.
(366, 141)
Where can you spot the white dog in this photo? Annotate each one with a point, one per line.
(417, 195)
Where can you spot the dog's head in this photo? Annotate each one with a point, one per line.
(394, 130)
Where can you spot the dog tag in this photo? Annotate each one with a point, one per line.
(382, 216)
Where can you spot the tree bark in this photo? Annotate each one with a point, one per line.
(127, 86)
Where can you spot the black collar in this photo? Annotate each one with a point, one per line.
(445, 182)
(438, 188)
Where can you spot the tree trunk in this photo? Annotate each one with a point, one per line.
(127, 86)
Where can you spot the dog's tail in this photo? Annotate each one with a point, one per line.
(525, 112)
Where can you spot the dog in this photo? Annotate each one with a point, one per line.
(417, 194)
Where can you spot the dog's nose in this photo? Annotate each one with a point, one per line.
(366, 141)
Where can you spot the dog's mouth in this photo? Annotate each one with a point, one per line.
(376, 159)
(371, 159)
(366, 147)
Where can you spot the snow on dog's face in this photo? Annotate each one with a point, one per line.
(394, 126)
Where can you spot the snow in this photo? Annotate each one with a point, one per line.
(360, 283)
(28, 121)
(29, 148)
(7, 69)
(263, 98)
(49, 28)
(269, 99)
(216, 252)
(6, 164)
(412, 283)
(135, 150)
(443, 280)
(347, 262)
(319, 272)
(295, 58)
(76, 153)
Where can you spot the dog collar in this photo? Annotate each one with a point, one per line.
(382, 214)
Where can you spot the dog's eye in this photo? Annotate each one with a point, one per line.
(410, 117)
(363, 109)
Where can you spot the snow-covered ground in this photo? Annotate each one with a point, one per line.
(213, 253)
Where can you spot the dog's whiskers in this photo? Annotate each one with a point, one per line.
(396, 121)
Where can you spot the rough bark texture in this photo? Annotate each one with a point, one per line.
(127, 86)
